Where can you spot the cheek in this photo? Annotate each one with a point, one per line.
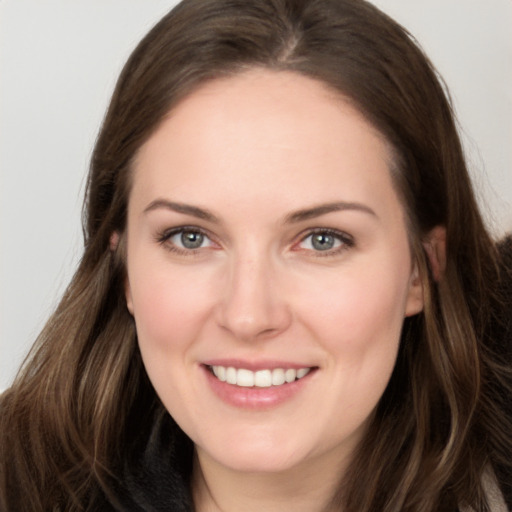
(355, 303)
(358, 324)
(358, 319)
(169, 311)
(168, 307)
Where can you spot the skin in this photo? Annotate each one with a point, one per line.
(253, 150)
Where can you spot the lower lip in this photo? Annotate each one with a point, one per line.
(254, 397)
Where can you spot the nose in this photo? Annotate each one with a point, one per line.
(253, 305)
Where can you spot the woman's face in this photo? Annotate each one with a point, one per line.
(269, 271)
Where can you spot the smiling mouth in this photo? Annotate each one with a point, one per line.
(259, 379)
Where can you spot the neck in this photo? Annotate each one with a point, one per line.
(306, 488)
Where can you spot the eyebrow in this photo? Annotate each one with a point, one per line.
(323, 209)
(292, 218)
(186, 209)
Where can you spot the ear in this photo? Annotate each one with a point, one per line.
(114, 241)
(435, 247)
(415, 300)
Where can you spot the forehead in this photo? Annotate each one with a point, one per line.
(275, 134)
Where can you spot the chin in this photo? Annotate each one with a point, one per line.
(260, 463)
(263, 455)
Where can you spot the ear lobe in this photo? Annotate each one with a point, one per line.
(435, 247)
(114, 241)
(415, 300)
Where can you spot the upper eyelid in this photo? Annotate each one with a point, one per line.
(346, 242)
(167, 233)
(335, 232)
(163, 237)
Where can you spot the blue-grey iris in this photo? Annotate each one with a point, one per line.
(322, 241)
(192, 239)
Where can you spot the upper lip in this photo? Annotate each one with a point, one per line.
(257, 365)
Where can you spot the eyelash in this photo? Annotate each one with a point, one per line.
(164, 237)
(346, 240)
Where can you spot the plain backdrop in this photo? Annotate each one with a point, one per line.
(59, 60)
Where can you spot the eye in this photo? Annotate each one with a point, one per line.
(326, 240)
(189, 239)
(185, 239)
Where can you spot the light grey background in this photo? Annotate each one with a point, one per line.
(59, 60)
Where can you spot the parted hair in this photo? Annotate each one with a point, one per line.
(82, 396)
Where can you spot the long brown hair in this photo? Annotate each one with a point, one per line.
(83, 395)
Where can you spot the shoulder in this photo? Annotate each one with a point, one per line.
(505, 247)
(505, 267)
(502, 345)
(503, 314)
(156, 478)
(494, 496)
(495, 499)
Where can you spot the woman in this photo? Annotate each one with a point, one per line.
(276, 307)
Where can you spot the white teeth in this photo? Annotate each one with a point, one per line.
(220, 372)
(231, 375)
(278, 377)
(245, 378)
(261, 378)
(290, 375)
(302, 372)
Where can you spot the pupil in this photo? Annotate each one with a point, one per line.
(323, 242)
(192, 240)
